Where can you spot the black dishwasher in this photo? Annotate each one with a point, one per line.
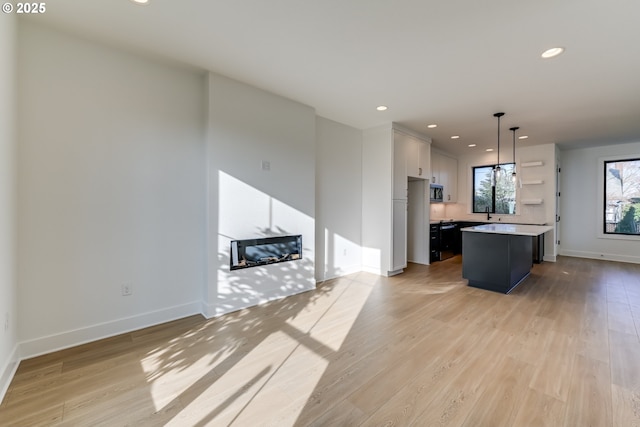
(448, 238)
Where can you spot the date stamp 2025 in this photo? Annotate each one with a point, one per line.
(32, 8)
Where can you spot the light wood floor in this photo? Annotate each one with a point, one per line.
(417, 349)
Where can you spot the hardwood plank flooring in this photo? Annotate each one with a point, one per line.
(420, 348)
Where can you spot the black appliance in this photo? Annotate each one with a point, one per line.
(443, 240)
(436, 193)
(448, 234)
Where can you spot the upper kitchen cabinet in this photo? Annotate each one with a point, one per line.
(411, 159)
(418, 159)
(444, 171)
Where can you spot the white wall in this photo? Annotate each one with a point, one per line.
(525, 214)
(580, 206)
(111, 190)
(246, 127)
(338, 199)
(8, 283)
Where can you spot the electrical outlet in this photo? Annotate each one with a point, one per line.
(127, 289)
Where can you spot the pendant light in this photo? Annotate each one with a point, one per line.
(497, 170)
(513, 175)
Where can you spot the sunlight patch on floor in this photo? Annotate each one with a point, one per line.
(274, 376)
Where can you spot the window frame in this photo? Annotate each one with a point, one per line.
(602, 212)
(493, 191)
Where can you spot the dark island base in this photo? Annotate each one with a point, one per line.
(496, 262)
(493, 287)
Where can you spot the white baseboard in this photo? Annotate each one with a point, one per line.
(602, 256)
(343, 271)
(8, 371)
(51, 343)
(213, 310)
(372, 270)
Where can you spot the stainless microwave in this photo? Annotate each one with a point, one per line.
(436, 193)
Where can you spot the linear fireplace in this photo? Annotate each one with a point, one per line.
(269, 250)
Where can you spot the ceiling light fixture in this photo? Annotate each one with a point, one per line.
(471, 145)
(496, 169)
(489, 149)
(381, 108)
(431, 126)
(553, 52)
(455, 137)
(523, 137)
(140, 1)
(513, 175)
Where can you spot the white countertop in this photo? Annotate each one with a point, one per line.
(517, 229)
(483, 220)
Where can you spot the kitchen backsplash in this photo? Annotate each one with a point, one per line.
(460, 211)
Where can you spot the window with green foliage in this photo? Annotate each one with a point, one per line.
(622, 197)
(499, 199)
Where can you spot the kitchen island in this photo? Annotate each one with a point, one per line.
(498, 257)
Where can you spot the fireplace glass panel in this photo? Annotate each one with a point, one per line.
(270, 250)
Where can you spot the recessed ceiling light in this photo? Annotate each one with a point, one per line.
(455, 137)
(523, 137)
(550, 53)
(471, 145)
(140, 1)
(489, 149)
(381, 107)
(431, 126)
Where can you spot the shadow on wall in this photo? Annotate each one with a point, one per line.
(252, 286)
(242, 211)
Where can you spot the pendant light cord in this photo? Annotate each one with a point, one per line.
(513, 174)
(514, 129)
(498, 115)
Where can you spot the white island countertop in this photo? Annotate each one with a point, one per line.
(516, 229)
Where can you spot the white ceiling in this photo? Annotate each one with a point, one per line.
(450, 62)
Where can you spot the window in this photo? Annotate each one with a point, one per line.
(500, 199)
(622, 197)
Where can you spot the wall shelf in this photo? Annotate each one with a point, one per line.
(531, 201)
(531, 164)
(532, 181)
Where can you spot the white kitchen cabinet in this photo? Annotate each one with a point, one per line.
(444, 171)
(418, 159)
(435, 167)
(401, 144)
(411, 160)
(386, 156)
(450, 168)
(399, 246)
